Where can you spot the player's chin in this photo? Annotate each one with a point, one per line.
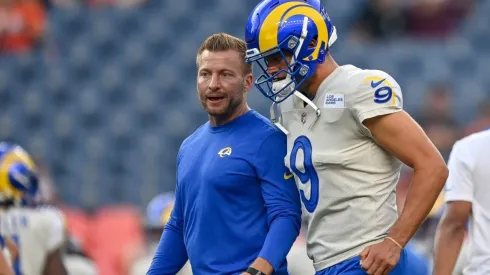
(217, 108)
(216, 111)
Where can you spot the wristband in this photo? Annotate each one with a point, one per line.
(253, 271)
(393, 240)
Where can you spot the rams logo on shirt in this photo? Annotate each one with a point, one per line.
(224, 152)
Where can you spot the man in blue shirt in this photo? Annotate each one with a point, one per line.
(237, 208)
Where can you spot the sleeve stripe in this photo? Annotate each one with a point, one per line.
(393, 97)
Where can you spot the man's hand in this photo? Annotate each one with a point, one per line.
(380, 258)
(262, 265)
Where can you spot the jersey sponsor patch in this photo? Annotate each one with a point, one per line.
(334, 101)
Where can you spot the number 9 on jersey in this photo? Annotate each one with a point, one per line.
(309, 175)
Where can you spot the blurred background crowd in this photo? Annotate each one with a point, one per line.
(102, 93)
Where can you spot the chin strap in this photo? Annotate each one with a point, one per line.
(318, 112)
(277, 119)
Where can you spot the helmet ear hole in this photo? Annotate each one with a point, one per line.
(313, 42)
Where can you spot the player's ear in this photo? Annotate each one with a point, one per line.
(248, 81)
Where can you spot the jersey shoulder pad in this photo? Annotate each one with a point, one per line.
(50, 210)
(53, 216)
(54, 226)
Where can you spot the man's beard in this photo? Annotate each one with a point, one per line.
(230, 107)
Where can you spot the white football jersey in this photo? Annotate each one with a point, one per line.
(469, 181)
(37, 233)
(346, 181)
(298, 261)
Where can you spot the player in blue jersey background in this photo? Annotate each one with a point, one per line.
(237, 208)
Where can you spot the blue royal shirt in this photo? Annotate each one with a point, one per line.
(235, 201)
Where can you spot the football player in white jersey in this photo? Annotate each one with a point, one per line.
(37, 232)
(347, 136)
(466, 195)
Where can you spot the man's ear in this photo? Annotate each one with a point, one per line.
(248, 81)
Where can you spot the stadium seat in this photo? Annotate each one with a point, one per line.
(115, 231)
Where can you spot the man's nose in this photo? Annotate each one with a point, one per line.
(272, 69)
(214, 83)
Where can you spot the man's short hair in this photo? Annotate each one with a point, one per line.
(221, 42)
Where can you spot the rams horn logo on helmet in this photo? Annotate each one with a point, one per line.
(268, 34)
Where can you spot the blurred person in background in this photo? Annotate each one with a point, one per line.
(438, 106)
(379, 20)
(37, 232)
(237, 209)
(48, 193)
(6, 257)
(382, 20)
(482, 120)
(466, 196)
(157, 215)
(443, 136)
(347, 138)
(437, 118)
(48, 4)
(22, 25)
(76, 260)
(431, 19)
(115, 3)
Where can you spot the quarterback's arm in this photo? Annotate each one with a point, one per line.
(399, 134)
(171, 253)
(282, 201)
(459, 196)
